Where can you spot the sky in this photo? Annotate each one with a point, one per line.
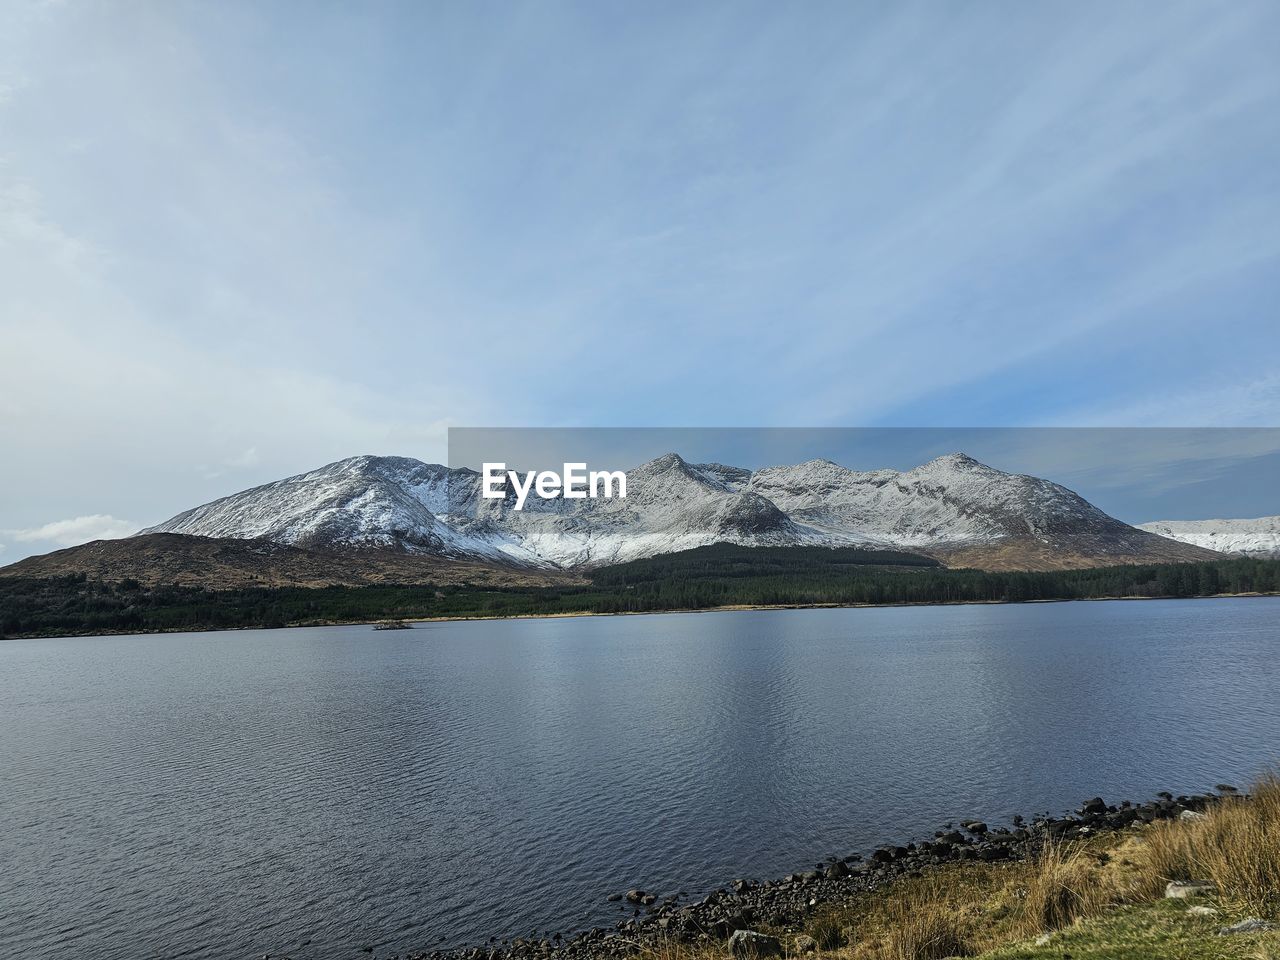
(240, 240)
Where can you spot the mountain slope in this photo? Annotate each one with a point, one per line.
(361, 502)
(964, 513)
(953, 508)
(162, 559)
(950, 500)
(1258, 538)
(670, 505)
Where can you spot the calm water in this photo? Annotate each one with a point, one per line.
(228, 795)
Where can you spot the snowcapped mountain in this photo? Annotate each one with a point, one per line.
(364, 501)
(358, 503)
(670, 505)
(948, 501)
(1256, 538)
(953, 507)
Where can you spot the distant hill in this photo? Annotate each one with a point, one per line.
(225, 563)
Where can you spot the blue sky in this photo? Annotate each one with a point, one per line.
(241, 240)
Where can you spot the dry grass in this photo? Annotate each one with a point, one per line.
(966, 909)
(1065, 884)
(1236, 846)
(828, 931)
(928, 918)
(928, 935)
(971, 909)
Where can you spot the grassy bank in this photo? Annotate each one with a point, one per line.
(1099, 898)
(701, 579)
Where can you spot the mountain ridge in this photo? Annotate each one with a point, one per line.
(952, 507)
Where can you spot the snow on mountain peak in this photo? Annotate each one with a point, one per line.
(396, 502)
(953, 463)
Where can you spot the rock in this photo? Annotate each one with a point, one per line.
(1201, 911)
(614, 897)
(1191, 815)
(1176, 890)
(806, 944)
(635, 896)
(975, 827)
(837, 870)
(1094, 807)
(753, 944)
(1251, 925)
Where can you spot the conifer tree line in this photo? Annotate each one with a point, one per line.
(704, 578)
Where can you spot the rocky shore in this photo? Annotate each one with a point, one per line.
(783, 905)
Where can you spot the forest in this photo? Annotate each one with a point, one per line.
(704, 578)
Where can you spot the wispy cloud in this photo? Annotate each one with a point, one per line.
(69, 533)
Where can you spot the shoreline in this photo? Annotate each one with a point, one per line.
(728, 608)
(784, 905)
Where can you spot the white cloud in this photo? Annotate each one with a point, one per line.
(69, 533)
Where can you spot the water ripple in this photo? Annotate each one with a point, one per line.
(311, 792)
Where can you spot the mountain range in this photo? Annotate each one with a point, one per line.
(395, 519)
(952, 508)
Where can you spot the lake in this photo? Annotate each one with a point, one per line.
(314, 791)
